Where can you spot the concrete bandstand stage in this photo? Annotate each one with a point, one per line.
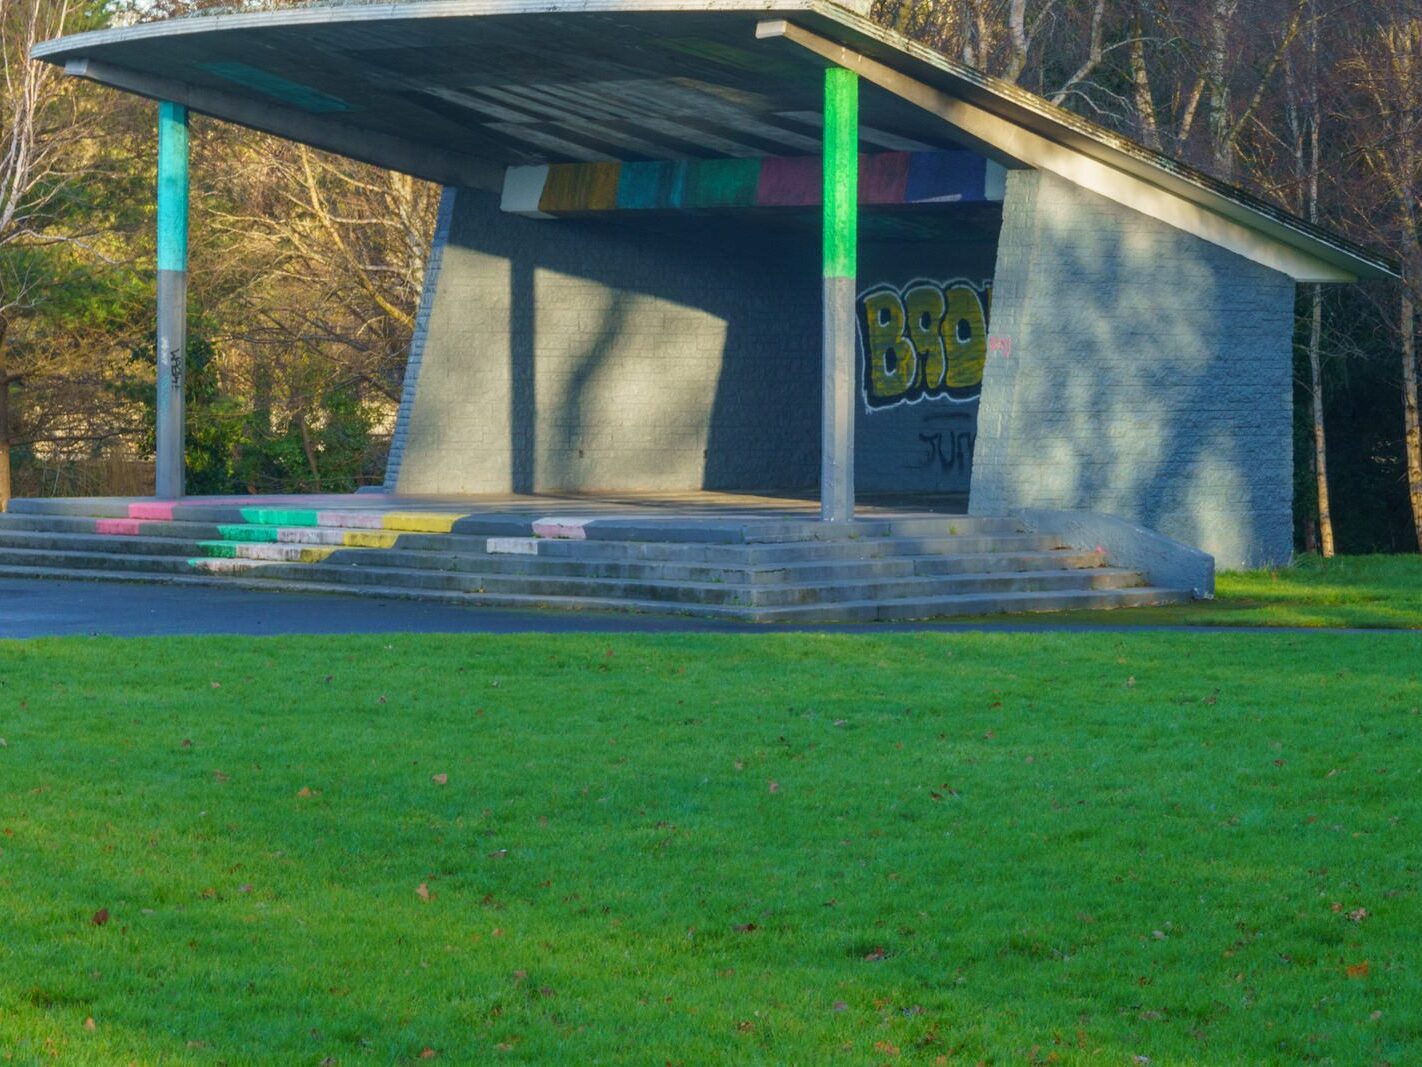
(718, 556)
(730, 305)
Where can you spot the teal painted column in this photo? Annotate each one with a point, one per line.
(841, 255)
(172, 296)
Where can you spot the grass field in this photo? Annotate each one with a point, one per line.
(909, 848)
(1367, 592)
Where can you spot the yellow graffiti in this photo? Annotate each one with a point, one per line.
(964, 333)
(924, 306)
(893, 363)
(927, 339)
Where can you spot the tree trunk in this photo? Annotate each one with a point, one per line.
(1413, 440)
(1315, 331)
(1140, 84)
(309, 447)
(1320, 454)
(1222, 146)
(4, 423)
(4, 439)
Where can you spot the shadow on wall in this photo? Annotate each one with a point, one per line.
(1152, 380)
(674, 354)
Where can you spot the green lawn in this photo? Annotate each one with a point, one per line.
(778, 848)
(1367, 592)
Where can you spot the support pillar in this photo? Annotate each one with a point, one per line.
(841, 240)
(172, 296)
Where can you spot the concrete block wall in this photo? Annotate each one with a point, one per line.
(1138, 371)
(672, 354)
(669, 354)
(410, 387)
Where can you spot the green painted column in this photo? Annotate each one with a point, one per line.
(172, 296)
(841, 248)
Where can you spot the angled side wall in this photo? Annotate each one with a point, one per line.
(1139, 371)
(410, 388)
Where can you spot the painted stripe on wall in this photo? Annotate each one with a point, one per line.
(885, 178)
(523, 188)
(652, 185)
(580, 187)
(722, 183)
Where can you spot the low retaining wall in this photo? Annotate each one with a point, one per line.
(1166, 563)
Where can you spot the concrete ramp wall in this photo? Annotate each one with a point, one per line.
(1138, 371)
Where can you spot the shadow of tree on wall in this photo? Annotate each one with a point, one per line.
(1144, 384)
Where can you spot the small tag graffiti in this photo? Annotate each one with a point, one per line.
(923, 340)
(947, 451)
(1002, 346)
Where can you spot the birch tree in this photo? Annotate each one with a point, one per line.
(1304, 115)
(1386, 69)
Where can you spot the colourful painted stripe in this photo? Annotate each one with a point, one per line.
(172, 213)
(371, 539)
(569, 186)
(235, 532)
(652, 185)
(276, 524)
(161, 511)
(885, 179)
(274, 553)
(359, 520)
(281, 516)
(841, 175)
(119, 527)
(224, 566)
(561, 529)
(277, 87)
(420, 521)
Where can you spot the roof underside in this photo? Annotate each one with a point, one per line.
(457, 90)
(530, 87)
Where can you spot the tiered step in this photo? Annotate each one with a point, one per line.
(746, 567)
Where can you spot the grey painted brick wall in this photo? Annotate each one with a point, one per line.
(615, 355)
(1149, 377)
(670, 355)
(419, 335)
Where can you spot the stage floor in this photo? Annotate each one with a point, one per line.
(613, 505)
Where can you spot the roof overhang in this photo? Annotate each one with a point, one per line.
(456, 91)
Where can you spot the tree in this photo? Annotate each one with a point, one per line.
(1304, 116)
(1385, 69)
(315, 265)
(41, 124)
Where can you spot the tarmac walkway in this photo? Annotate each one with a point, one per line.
(31, 608)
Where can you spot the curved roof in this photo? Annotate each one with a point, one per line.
(457, 90)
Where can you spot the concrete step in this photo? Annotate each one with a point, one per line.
(833, 570)
(107, 544)
(656, 590)
(352, 569)
(721, 529)
(131, 533)
(594, 558)
(848, 612)
(91, 550)
(928, 589)
(984, 604)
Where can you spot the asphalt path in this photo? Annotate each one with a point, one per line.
(50, 608)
